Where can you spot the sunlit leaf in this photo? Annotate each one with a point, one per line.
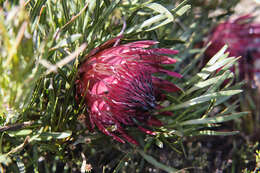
(183, 10)
(157, 164)
(216, 119)
(202, 99)
(23, 132)
(215, 133)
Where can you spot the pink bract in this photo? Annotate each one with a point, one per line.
(119, 88)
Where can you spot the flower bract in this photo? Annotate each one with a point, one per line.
(119, 88)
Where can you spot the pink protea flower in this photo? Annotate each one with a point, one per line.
(243, 39)
(119, 88)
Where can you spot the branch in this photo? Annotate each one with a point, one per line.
(16, 126)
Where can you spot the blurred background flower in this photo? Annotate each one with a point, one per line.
(242, 36)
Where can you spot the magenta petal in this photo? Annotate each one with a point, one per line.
(158, 59)
(171, 73)
(255, 30)
(106, 132)
(165, 85)
(139, 52)
(167, 60)
(149, 132)
(167, 113)
(128, 138)
(154, 122)
(240, 19)
(110, 42)
(164, 51)
(104, 46)
(142, 44)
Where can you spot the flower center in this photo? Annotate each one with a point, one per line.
(139, 94)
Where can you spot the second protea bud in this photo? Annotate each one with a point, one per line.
(119, 89)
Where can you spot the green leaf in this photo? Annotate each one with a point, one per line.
(183, 10)
(181, 5)
(218, 82)
(214, 63)
(155, 163)
(105, 15)
(215, 133)
(37, 8)
(65, 10)
(217, 119)
(202, 99)
(65, 42)
(211, 81)
(220, 64)
(159, 25)
(159, 143)
(147, 23)
(122, 163)
(217, 56)
(160, 9)
(230, 64)
(23, 132)
(206, 71)
(159, 20)
(54, 135)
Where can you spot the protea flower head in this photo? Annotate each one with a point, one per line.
(119, 88)
(243, 40)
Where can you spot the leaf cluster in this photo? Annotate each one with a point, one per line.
(42, 44)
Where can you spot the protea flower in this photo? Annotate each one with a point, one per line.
(243, 40)
(119, 88)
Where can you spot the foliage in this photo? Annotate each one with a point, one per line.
(42, 44)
